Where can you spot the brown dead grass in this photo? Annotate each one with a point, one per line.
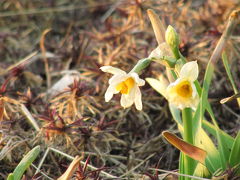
(86, 35)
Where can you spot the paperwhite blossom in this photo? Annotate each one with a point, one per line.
(182, 93)
(126, 84)
(162, 50)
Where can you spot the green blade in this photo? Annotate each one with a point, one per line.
(25, 162)
(10, 177)
(222, 144)
(181, 166)
(234, 158)
(210, 128)
(201, 171)
(229, 74)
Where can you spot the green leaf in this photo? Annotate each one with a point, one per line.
(206, 85)
(26, 162)
(201, 171)
(181, 166)
(222, 144)
(10, 176)
(234, 158)
(197, 121)
(212, 130)
(204, 104)
(203, 141)
(176, 114)
(229, 74)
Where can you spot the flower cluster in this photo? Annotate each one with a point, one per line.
(182, 93)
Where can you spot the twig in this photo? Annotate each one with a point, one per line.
(27, 60)
(111, 10)
(83, 163)
(29, 116)
(42, 160)
(45, 58)
(9, 147)
(42, 172)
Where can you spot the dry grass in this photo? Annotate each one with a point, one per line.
(84, 36)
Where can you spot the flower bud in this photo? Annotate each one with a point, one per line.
(172, 40)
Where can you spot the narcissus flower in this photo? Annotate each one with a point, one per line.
(162, 50)
(182, 93)
(126, 84)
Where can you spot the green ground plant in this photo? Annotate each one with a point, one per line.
(188, 102)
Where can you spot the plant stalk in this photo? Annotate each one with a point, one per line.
(188, 137)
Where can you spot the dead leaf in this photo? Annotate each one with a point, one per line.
(190, 150)
(71, 169)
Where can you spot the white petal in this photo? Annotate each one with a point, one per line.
(194, 90)
(126, 101)
(112, 70)
(117, 79)
(162, 50)
(159, 85)
(109, 93)
(181, 102)
(169, 75)
(189, 71)
(156, 53)
(175, 83)
(140, 82)
(195, 102)
(138, 99)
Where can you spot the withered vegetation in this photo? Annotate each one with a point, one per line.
(82, 36)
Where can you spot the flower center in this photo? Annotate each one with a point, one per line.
(125, 86)
(184, 89)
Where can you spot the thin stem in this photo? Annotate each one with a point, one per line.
(230, 77)
(232, 21)
(47, 70)
(187, 123)
(83, 163)
(29, 116)
(188, 137)
(142, 64)
(42, 160)
(176, 52)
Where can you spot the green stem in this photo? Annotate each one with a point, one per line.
(188, 137)
(141, 64)
(165, 59)
(187, 123)
(176, 52)
(181, 166)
